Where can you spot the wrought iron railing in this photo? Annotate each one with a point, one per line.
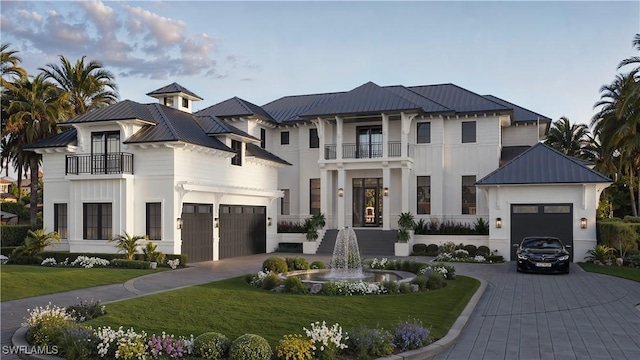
(366, 151)
(113, 163)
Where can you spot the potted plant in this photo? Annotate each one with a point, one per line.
(405, 234)
(152, 255)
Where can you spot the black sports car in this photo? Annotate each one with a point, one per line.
(543, 254)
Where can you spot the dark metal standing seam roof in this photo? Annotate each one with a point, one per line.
(288, 108)
(174, 125)
(124, 110)
(519, 113)
(459, 99)
(67, 137)
(235, 107)
(257, 151)
(173, 88)
(214, 126)
(541, 164)
(429, 106)
(365, 99)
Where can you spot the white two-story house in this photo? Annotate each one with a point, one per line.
(213, 184)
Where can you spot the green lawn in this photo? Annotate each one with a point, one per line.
(22, 281)
(234, 308)
(623, 272)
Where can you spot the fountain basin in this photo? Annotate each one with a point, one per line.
(369, 276)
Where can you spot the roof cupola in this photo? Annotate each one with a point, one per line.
(175, 96)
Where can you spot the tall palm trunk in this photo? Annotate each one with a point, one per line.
(634, 209)
(33, 199)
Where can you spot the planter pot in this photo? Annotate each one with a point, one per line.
(402, 249)
(310, 247)
(153, 264)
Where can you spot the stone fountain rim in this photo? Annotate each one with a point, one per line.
(405, 276)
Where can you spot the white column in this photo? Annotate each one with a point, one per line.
(325, 199)
(385, 138)
(405, 188)
(339, 124)
(405, 120)
(386, 203)
(320, 125)
(341, 202)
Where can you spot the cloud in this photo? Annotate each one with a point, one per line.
(130, 40)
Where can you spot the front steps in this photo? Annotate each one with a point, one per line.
(372, 242)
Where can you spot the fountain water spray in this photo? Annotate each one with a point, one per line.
(346, 262)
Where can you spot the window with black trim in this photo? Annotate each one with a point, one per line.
(237, 147)
(314, 140)
(284, 138)
(314, 196)
(60, 219)
(284, 202)
(154, 221)
(97, 221)
(424, 133)
(105, 152)
(185, 103)
(468, 131)
(168, 100)
(263, 138)
(469, 195)
(424, 195)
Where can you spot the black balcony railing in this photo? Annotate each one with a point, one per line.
(113, 163)
(366, 151)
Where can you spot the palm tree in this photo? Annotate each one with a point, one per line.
(89, 85)
(570, 139)
(9, 66)
(36, 107)
(128, 244)
(633, 59)
(617, 126)
(39, 239)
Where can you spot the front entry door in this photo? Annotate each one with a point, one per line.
(367, 202)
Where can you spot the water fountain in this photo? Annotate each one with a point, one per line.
(346, 265)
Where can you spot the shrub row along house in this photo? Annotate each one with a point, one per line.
(213, 184)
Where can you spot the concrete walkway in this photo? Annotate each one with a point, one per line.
(520, 316)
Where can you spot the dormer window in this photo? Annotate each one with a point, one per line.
(237, 147)
(168, 101)
(185, 103)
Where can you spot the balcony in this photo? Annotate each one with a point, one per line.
(364, 151)
(113, 163)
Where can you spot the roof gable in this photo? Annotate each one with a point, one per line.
(123, 110)
(173, 88)
(541, 164)
(235, 107)
(427, 105)
(214, 126)
(519, 113)
(459, 99)
(289, 108)
(367, 98)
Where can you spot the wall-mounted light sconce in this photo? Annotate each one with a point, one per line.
(179, 223)
(498, 223)
(341, 192)
(385, 191)
(216, 221)
(583, 223)
(269, 220)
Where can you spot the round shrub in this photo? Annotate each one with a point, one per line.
(471, 249)
(330, 289)
(295, 347)
(248, 278)
(435, 281)
(420, 249)
(483, 250)
(211, 345)
(294, 285)
(404, 288)
(297, 263)
(421, 281)
(250, 347)
(391, 286)
(432, 248)
(318, 265)
(271, 281)
(275, 264)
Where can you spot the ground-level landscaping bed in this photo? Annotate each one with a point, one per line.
(22, 281)
(233, 308)
(618, 271)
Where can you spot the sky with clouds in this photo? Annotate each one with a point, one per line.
(550, 57)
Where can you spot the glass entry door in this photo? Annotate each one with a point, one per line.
(367, 202)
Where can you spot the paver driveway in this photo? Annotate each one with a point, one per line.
(537, 316)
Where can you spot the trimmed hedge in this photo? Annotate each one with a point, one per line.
(13, 235)
(619, 233)
(289, 247)
(7, 250)
(130, 264)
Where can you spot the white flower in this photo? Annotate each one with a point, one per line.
(49, 262)
(173, 264)
(89, 262)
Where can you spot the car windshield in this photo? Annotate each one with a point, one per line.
(542, 243)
